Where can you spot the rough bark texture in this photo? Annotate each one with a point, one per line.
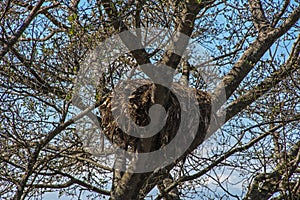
(160, 95)
(266, 184)
(266, 37)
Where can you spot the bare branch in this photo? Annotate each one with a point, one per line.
(251, 56)
(266, 184)
(82, 183)
(280, 13)
(131, 41)
(23, 27)
(275, 78)
(222, 158)
(259, 19)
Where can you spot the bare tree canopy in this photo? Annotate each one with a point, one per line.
(195, 99)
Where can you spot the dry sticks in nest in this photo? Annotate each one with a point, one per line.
(136, 107)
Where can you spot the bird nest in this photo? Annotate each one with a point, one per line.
(136, 106)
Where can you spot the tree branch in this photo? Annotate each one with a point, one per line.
(20, 31)
(280, 13)
(82, 183)
(266, 184)
(222, 158)
(275, 78)
(251, 56)
(259, 19)
(132, 42)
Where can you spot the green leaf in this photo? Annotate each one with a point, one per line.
(72, 17)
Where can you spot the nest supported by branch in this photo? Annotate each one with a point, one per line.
(136, 107)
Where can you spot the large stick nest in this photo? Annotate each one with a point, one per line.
(137, 108)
